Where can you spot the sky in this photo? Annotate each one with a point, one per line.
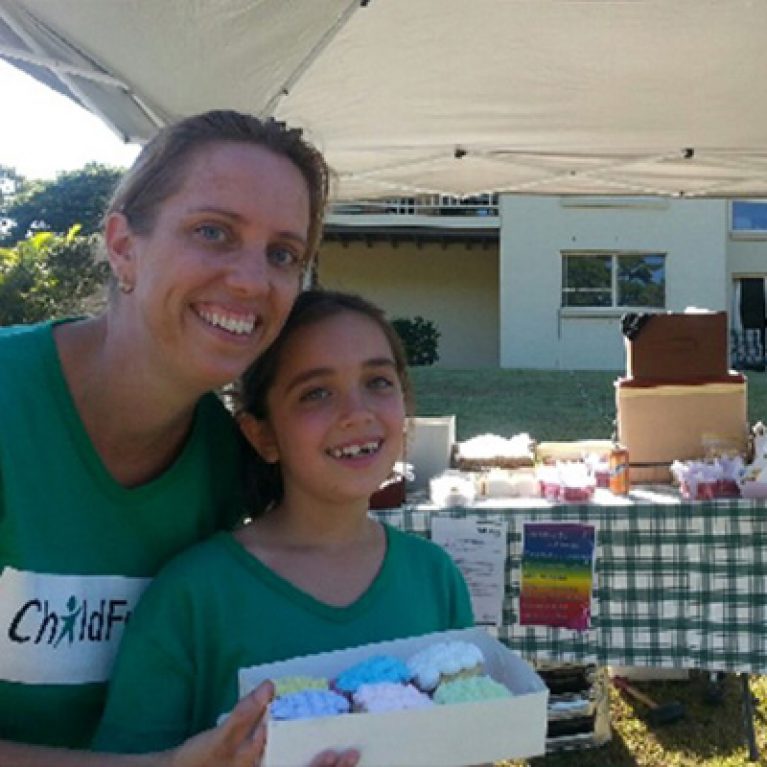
(42, 132)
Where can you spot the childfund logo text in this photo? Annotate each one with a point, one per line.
(79, 620)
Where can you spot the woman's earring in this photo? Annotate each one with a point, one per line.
(125, 286)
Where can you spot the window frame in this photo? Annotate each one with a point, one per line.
(745, 234)
(614, 308)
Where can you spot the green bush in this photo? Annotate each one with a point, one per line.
(420, 338)
(49, 275)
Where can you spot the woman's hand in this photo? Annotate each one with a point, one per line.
(240, 740)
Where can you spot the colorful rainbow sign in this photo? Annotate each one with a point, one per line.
(557, 575)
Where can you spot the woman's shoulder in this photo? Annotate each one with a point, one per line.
(17, 341)
(29, 350)
(27, 364)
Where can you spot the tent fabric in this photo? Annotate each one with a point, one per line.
(405, 97)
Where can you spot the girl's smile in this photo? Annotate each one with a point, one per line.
(356, 450)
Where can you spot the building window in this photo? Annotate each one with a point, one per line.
(614, 280)
(749, 216)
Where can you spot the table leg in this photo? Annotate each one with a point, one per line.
(748, 719)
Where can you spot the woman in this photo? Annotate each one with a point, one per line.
(114, 455)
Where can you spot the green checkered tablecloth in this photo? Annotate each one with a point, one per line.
(677, 584)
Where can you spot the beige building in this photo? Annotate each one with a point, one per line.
(442, 268)
(541, 282)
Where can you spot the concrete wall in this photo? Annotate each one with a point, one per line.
(454, 286)
(536, 332)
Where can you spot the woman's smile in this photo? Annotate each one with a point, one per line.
(233, 322)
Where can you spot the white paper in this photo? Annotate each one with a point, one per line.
(478, 547)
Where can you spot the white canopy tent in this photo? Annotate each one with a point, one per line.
(420, 96)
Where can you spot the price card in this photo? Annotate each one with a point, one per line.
(479, 548)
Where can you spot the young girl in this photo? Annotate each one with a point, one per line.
(324, 409)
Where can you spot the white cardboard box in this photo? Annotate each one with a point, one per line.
(442, 736)
(429, 443)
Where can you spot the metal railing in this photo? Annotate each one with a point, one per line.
(425, 205)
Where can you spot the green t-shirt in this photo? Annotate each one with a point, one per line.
(77, 548)
(217, 609)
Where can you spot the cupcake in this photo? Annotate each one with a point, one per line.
(308, 704)
(389, 696)
(470, 689)
(379, 668)
(445, 662)
(287, 684)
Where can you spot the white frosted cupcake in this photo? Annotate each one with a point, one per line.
(389, 696)
(445, 661)
(308, 704)
(468, 690)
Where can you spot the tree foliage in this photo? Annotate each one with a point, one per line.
(49, 275)
(10, 182)
(642, 281)
(73, 197)
(10, 179)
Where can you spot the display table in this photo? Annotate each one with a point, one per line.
(677, 584)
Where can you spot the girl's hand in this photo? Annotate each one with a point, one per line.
(334, 759)
(238, 742)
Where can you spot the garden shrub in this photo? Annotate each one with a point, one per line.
(420, 337)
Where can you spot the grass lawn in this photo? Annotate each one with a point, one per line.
(549, 405)
(563, 405)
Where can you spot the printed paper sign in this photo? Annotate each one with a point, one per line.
(478, 547)
(557, 575)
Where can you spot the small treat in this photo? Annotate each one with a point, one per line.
(389, 696)
(309, 704)
(288, 684)
(510, 483)
(487, 451)
(444, 662)
(472, 689)
(452, 488)
(379, 668)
